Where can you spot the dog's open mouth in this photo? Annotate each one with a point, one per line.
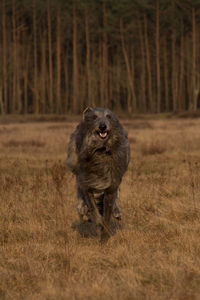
(103, 134)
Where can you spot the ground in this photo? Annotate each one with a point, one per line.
(154, 253)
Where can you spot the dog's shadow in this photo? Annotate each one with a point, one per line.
(88, 229)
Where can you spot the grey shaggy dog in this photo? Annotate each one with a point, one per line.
(98, 154)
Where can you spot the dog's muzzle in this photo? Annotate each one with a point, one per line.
(102, 130)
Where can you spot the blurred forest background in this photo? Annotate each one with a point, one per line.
(136, 56)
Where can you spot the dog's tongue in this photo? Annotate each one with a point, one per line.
(103, 134)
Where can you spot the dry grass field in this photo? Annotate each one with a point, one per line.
(154, 253)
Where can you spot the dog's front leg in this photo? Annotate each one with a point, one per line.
(109, 200)
(96, 216)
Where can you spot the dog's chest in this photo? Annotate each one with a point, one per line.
(97, 172)
(101, 164)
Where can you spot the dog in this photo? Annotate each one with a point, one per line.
(98, 155)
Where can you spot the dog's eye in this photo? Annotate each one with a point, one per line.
(94, 117)
(108, 116)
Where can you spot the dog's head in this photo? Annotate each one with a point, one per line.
(100, 122)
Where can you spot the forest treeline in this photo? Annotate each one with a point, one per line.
(59, 56)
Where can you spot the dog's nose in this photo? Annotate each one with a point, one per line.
(102, 126)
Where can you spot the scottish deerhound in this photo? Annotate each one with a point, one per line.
(98, 154)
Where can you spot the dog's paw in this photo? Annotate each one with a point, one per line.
(83, 212)
(117, 214)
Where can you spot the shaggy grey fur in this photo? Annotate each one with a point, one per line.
(98, 154)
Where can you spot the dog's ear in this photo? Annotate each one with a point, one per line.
(86, 111)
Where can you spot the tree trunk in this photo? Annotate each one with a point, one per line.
(110, 90)
(105, 56)
(118, 70)
(66, 102)
(133, 76)
(87, 35)
(1, 92)
(131, 104)
(14, 87)
(17, 62)
(75, 64)
(35, 80)
(1, 101)
(143, 70)
(174, 72)
(158, 55)
(148, 63)
(188, 72)
(181, 97)
(195, 90)
(50, 88)
(25, 72)
(58, 64)
(101, 74)
(95, 75)
(43, 67)
(4, 46)
(166, 74)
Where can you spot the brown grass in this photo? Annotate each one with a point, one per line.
(154, 147)
(24, 143)
(45, 253)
